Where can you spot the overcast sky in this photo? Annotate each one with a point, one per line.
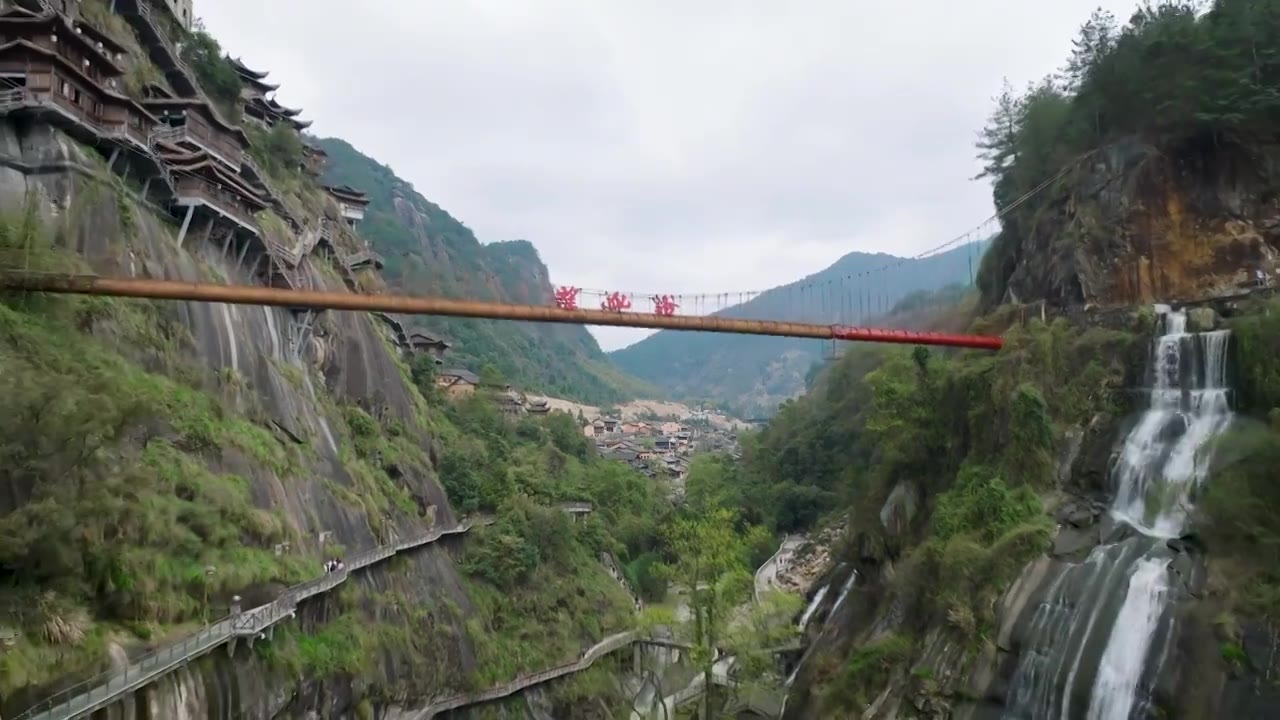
(681, 147)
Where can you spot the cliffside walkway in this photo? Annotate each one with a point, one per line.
(606, 646)
(23, 281)
(609, 645)
(99, 692)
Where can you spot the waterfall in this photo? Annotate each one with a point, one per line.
(231, 336)
(324, 424)
(813, 606)
(1116, 689)
(1101, 631)
(271, 329)
(844, 591)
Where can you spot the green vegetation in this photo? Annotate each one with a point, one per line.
(974, 434)
(118, 523)
(1243, 530)
(751, 375)
(361, 625)
(535, 577)
(1172, 80)
(429, 252)
(880, 415)
(213, 70)
(866, 671)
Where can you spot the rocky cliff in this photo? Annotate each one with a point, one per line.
(429, 252)
(1137, 222)
(228, 445)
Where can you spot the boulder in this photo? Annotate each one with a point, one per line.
(1073, 542)
(1201, 319)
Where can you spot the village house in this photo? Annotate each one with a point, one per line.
(539, 406)
(253, 84)
(601, 427)
(182, 11)
(420, 341)
(412, 340)
(259, 106)
(192, 123)
(669, 428)
(350, 201)
(457, 383)
(205, 185)
(70, 75)
(510, 402)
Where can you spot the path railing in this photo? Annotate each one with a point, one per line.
(595, 652)
(103, 689)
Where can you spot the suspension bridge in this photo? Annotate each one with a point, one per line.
(300, 299)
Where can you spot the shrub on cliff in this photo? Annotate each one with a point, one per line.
(1256, 352)
(1243, 529)
(215, 73)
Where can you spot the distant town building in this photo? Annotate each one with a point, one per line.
(539, 406)
(510, 402)
(457, 383)
(420, 341)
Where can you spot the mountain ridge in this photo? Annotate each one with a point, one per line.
(751, 375)
(429, 251)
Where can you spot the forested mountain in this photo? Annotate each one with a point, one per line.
(751, 375)
(995, 562)
(429, 252)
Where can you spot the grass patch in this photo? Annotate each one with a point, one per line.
(117, 513)
(865, 673)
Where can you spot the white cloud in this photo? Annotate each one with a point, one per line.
(686, 147)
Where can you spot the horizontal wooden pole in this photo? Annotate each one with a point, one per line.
(326, 300)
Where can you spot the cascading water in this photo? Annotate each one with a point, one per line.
(1096, 641)
(844, 591)
(813, 606)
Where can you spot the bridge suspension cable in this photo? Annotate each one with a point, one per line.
(19, 281)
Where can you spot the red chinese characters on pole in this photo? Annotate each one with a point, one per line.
(664, 304)
(567, 297)
(616, 302)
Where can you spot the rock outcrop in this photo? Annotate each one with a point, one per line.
(1134, 225)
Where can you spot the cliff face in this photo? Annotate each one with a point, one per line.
(321, 494)
(1134, 224)
(429, 252)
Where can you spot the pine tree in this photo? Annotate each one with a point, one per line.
(997, 141)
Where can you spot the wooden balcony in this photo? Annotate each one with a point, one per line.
(192, 190)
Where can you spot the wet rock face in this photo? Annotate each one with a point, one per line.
(278, 389)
